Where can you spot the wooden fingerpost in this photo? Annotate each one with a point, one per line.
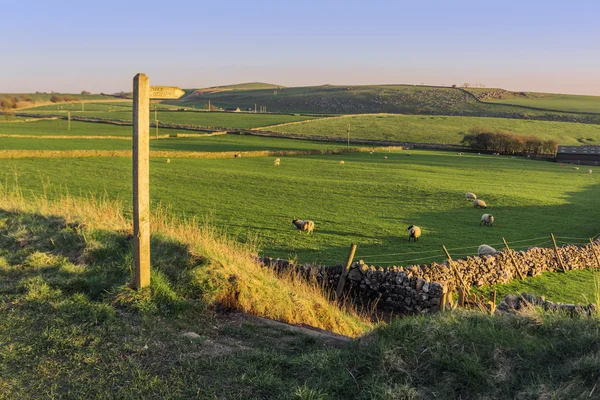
(560, 261)
(342, 281)
(141, 180)
(594, 251)
(514, 261)
(458, 275)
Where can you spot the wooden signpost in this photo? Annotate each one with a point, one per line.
(142, 93)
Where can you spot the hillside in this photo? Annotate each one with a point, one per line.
(408, 99)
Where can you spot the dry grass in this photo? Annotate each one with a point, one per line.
(174, 154)
(231, 277)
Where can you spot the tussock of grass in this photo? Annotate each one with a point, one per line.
(190, 260)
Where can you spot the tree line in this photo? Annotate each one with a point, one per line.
(506, 142)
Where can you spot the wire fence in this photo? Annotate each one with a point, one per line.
(430, 256)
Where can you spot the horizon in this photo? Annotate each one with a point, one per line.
(68, 47)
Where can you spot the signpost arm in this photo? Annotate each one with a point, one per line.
(141, 181)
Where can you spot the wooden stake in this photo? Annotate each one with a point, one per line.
(141, 181)
(594, 251)
(444, 299)
(69, 121)
(342, 281)
(156, 121)
(558, 259)
(461, 296)
(512, 257)
(348, 132)
(458, 275)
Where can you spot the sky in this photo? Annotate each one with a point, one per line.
(70, 46)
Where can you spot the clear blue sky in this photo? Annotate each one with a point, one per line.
(69, 46)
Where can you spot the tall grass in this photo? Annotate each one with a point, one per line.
(230, 276)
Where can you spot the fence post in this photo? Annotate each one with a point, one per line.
(560, 262)
(342, 281)
(456, 272)
(594, 251)
(512, 257)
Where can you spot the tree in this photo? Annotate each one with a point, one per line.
(85, 92)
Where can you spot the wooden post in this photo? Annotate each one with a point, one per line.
(560, 262)
(69, 121)
(594, 251)
(254, 108)
(342, 281)
(444, 299)
(209, 105)
(512, 257)
(461, 296)
(141, 181)
(458, 275)
(348, 132)
(82, 106)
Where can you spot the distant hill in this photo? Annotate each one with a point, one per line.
(406, 99)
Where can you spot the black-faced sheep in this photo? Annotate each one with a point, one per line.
(471, 196)
(479, 204)
(304, 225)
(487, 219)
(414, 232)
(485, 250)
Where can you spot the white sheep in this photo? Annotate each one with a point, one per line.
(479, 204)
(168, 161)
(460, 154)
(342, 162)
(485, 250)
(276, 162)
(304, 225)
(576, 168)
(414, 232)
(589, 171)
(371, 152)
(471, 196)
(385, 157)
(487, 219)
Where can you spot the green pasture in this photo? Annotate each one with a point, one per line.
(440, 129)
(205, 119)
(59, 127)
(368, 200)
(559, 102)
(201, 144)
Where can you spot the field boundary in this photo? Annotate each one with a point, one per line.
(12, 154)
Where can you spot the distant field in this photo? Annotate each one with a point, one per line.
(439, 129)
(368, 200)
(100, 106)
(205, 119)
(58, 127)
(201, 144)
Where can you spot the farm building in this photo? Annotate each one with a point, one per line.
(589, 155)
(237, 109)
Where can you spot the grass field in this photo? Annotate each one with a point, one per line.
(205, 119)
(368, 200)
(201, 143)
(439, 129)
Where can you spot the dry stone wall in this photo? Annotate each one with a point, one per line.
(420, 288)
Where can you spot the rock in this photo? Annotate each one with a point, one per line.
(355, 275)
(419, 284)
(426, 287)
(191, 335)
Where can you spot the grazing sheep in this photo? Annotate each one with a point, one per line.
(589, 171)
(385, 157)
(371, 152)
(487, 219)
(276, 162)
(414, 232)
(471, 196)
(576, 168)
(485, 250)
(342, 162)
(479, 204)
(460, 154)
(237, 155)
(478, 154)
(168, 161)
(304, 225)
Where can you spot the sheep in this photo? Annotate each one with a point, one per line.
(342, 162)
(414, 232)
(479, 204)
(237, 155)
(168, 161)
(276, 162)
(304, 225)
(371, 152)
(385, 157)
(589, 171)
(487, 219)
(485, 250)
(460, 154)
(576, 168)
(471, 196)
